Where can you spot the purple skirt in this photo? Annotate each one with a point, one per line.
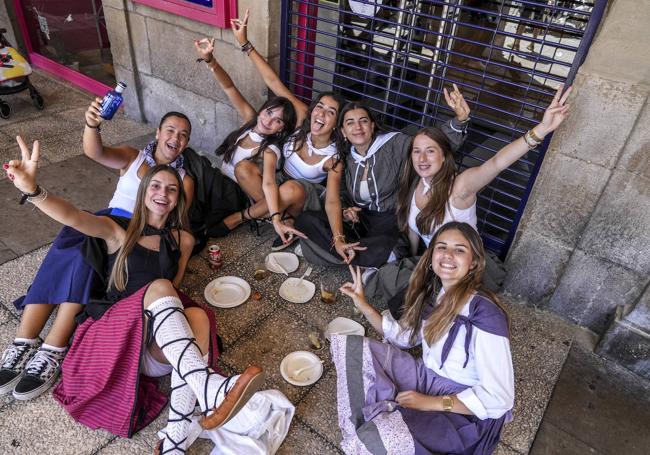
(369, 376)
(101, 384)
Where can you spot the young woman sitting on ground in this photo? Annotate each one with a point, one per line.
(140, 324)
(257, 142)
(373, 161)
(309, 155)
(432, 193)
(65, 279)
(457, 396)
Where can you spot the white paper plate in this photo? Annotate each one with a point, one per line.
(227, 292)
(300, 359)
(297, 294)
(288, 261)
(344, 326)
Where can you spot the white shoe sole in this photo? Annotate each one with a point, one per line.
(37, 391)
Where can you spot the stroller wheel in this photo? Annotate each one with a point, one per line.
(37, 99)
(5, 110)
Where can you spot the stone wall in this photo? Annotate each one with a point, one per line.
(583, 246)
(153, 52)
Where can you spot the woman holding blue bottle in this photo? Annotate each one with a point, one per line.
(65, 279)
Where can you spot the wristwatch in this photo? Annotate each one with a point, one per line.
(447, 403)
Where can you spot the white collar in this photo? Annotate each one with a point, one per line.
(374, 148)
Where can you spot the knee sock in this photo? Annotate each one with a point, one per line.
(174, 336)
(181, 408)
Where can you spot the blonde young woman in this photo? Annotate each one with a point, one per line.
(457, 396)
(140, 325)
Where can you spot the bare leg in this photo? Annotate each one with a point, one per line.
(249, 178)
(33, 320)
(64, 324)
(292, 197)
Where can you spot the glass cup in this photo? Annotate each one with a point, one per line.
(261, 271)
(328, 290)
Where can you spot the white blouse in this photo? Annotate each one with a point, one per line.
(467, 215)
(228, 167)
(488, 374)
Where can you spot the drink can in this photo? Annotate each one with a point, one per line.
(214, 256)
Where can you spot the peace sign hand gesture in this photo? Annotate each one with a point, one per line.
(23, 172)
(555, 113)
(354, 290)
(238, 27)
(457, 103)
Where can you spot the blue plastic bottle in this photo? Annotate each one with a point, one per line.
(112, 101)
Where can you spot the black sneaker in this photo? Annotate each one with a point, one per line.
(40, 374)
(279, 245)
(13, 362)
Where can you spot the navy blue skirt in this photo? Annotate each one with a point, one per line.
(65, 276)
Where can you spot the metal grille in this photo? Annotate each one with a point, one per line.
(507, 57)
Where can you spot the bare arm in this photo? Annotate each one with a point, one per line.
(23, 174)
(112, 157)
(205, 49)
(269, 76)
(421, 402)
(186, 245)
(333, 209)
(472, 180)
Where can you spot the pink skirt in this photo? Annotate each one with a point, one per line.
(101, 384)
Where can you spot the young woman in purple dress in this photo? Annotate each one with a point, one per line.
(457, 396)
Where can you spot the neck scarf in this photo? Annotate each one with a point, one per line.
(149, 151)
(374, 148)
(169, 253)
(255, 137)
(328, 150)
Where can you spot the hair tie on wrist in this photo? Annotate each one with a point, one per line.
(93, 127)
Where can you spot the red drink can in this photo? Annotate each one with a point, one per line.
(214, 256)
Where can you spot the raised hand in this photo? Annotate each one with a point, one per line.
(555, 113)
(238, 27)
(23, 172)
(93, 119)
(204, 48)
(457, 103)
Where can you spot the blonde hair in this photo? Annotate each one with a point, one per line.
(176, 219)
(425, 285)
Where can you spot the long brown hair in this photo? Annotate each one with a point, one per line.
(425, 285)
(177, 219)
(433, 212)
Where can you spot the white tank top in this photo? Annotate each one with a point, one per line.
(467, 215)
(228, 168)
(127, 186)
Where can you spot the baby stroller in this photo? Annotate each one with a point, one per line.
(14, 76)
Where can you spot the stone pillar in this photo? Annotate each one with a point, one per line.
(583, 246)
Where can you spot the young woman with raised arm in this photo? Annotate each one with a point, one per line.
(139, 325)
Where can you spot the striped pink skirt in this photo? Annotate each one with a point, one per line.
(101, 384)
